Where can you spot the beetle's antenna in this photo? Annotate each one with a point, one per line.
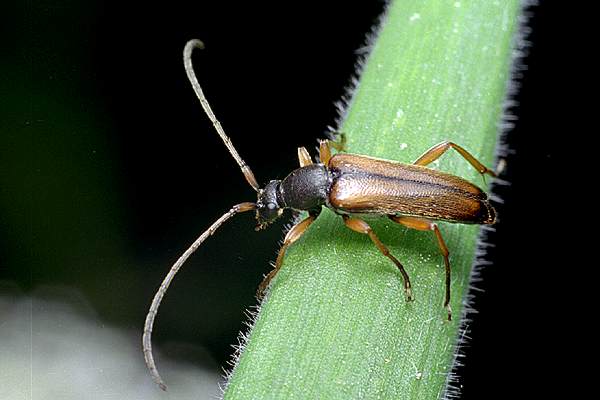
(189, 69)
(147, 336)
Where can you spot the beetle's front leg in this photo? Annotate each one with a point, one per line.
(304, 157)
(422, 224)
(360, 226)
(293, 234)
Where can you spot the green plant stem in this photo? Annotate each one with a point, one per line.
(336, 324)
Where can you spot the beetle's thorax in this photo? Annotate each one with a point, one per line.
(305, 188)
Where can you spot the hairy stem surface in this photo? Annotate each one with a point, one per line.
(336, 324)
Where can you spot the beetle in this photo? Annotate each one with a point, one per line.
(351, 185)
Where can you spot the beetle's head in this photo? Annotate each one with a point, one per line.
(268, 208)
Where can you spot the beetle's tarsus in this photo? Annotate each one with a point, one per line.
(449, 309)
(340, 143)
(262, 288)
(409, 294)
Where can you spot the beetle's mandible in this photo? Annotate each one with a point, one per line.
(349, 184)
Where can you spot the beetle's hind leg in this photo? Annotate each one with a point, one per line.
(293, 234)
(422, 224)
(436, 152)
(360, 226)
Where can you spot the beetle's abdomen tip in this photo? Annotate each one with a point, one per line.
(488, 214)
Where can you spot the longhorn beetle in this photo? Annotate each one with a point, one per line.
(349, 184)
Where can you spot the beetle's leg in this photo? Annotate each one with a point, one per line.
(304, 157)
(360, 226)
(422, 224)
(324, 151)
(339, 145)
(436, 152)
(326, 145)
(293, 234)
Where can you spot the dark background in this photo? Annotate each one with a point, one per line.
(108, 171)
